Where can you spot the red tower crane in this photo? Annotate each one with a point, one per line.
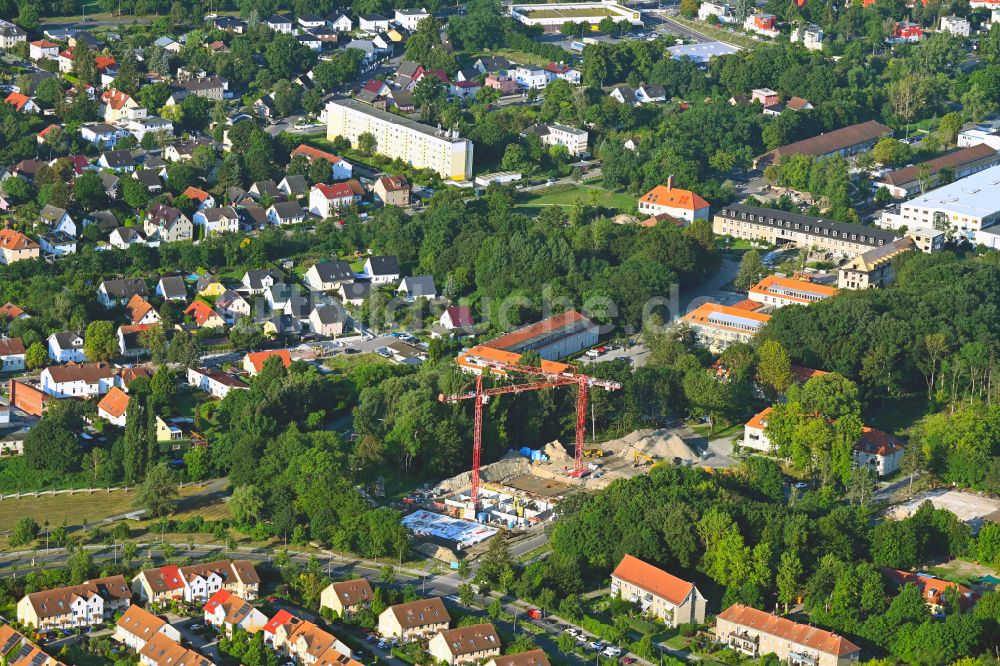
(550, 380)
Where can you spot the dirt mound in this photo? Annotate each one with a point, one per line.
(660, 445)
(506, 468)
(556, 452)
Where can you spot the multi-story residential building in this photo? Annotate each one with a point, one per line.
(325, 200)
(77, 381)
(778, 291)
(879, 451)
(718, 326)
(82, 605)
(162, 650)
(43, 49)
(410, 18)
(137, 626)
(671, 599)
(962, 208)
(15, 246)
(669, 200)
(118, 106)
(67, 347)
(811, 37)
(755, 633)
(721, 10)
(197, 582)
(780, 227)
(167, 224)
(417, 619)
(955, 25)
(419, 145)
(529, 77)
(11, 35)
(529, 658)
(220, 220)
(556, 134)
(873, 269)
(346, 597)
(963, 162)
(465, 645)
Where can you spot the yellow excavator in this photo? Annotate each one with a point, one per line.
(643, 459)
(593, 453)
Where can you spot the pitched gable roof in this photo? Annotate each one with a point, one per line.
(656, 581)
(673, 197)
(137, 308)
(114, 402)
(813, 637)
(420, 613)
(257, 359)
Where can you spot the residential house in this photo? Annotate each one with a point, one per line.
(167, 223)
(418, 286)
(328, 320)
(717, 326)
(232, 306)
(218, 220)
(562, 71)
(112, 293)
(328, 275)
(116, 160)
(130, 343)
(171, 288)
(392, 191)
(879, 451)
(373, 23)
(762, 24)
(905, 31)
(184, 150)
(810, 36)
(310, 21)
(501, 82)
(102, 135)
(57, 243)
(873, 269)
(203, 315)
(66, 347)
(463, 89)
(253, 362)
(286, 212)
(22, 103)
(230, 24)
(529, 658)
(113, 406)
(150, 178)
(934, 590)
(167, 432)
(955, 26)
(798, 104)
(341, 169)
(457, 318)
(411, 18)
(754, 432)
(417, 619)
(167, 44)
(12, 355)
(470, 644)
(278, 295)
(556, 134)
(84, 605)
(202, 198)
(325, 199)
(674, 201)
(382, 270)
(756, 633)
(140, 311)
(529, 77)
(658, 593)
(219, 384)
(43, 49)
(340, 22)
(10, 36)
(354, 293)
(279, 23)
(293, 186)
(118, 106)
(346, 597)
(197, 582)
(310, 644)
(778, 291)
(283, 325)
(137, 626)
(492, 65)
(15, 246)
(228, 612)
(161, 650)
(209, 87)
(10, 312)
(258, 280)
(123, 238)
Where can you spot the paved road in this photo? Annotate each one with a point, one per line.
(712, 290)
(662, 23)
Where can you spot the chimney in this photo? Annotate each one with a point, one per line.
(670, 182)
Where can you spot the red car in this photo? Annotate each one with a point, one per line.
(628, 660)
(272, 599)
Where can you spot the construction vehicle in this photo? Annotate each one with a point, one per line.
(643, 459)
(593, 453)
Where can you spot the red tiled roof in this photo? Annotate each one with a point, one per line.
(803, 634)
(11, 239)
(104, 62)
(137, 308)
(17, 100)
(747, 304)
(257, 359)
(217, 600)
(116, 99)
(335, 191)
(44, 44)
(200, 311)
(515, 338)
(10, 312)
(651, 579)
(932, 589)
(461, 316)
(280, 618)
(11, 346)
(114, 402)
(759, 420)
(877, 442)
(673, 197)
(802, 375)
(311, 154)
(194, 194)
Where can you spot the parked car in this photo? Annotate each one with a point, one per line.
(628, 660)
(612, 651)
(571, 631)
(597, 645)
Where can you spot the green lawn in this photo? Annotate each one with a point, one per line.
(558, 195)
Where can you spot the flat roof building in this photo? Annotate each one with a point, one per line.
(717, 326)
(702, 52)
(964, 207)
(554, 338)
(778, 291)
(398, 137)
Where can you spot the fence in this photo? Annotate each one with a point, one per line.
(74, 491)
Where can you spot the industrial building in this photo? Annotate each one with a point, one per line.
(963, 162)
(844, 142)
(552, 15)
(419, 145)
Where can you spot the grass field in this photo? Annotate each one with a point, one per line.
(559, 196)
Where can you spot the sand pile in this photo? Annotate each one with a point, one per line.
(556, 452)
(506, 468)
(660, 445)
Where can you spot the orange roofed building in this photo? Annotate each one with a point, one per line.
(778, 291)
(557, 337)
(755, 633)
(932, 589)
(658, 593)
(718, 326)
(670, 200)
(15, 246)
(253, 362)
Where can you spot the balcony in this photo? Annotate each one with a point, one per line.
(802, 659)
(743, 642)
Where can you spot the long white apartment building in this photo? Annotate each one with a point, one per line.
(965, 208)
(419, 145)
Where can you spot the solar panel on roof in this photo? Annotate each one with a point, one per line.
(39, 659)
(10, 643)
(22, 653)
